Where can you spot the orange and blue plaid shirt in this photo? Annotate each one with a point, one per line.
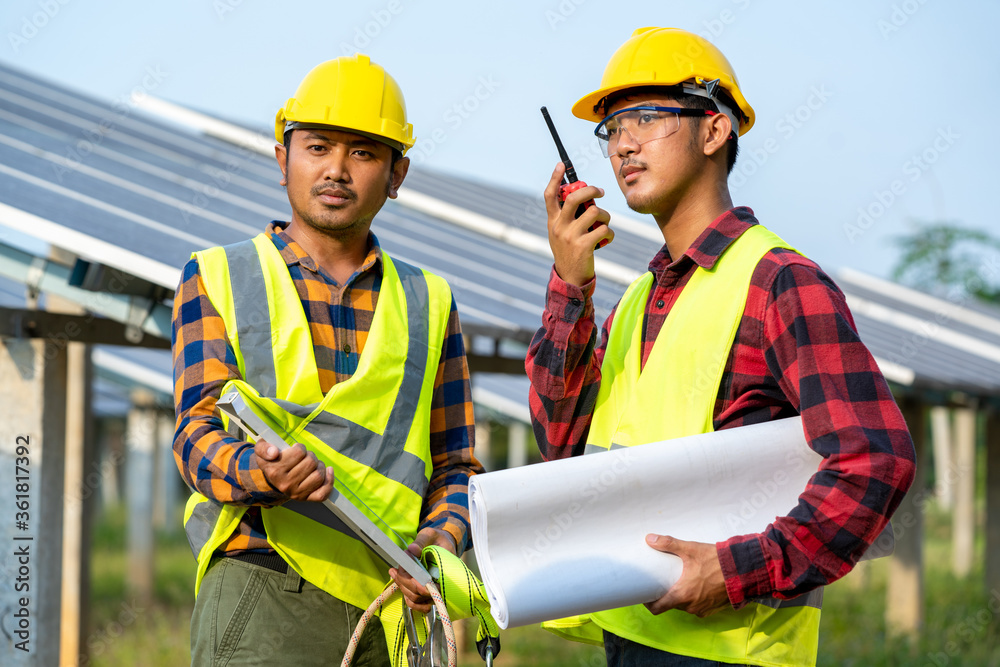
(224, 468)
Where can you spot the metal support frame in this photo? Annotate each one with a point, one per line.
(61, 329)
(53, 278)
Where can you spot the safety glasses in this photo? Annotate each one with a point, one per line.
(642, 124)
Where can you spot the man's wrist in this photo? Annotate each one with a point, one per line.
(255, 482)
(566, 300)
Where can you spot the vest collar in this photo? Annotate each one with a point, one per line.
(710, 244)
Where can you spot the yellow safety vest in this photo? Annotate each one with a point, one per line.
(374, 428)
(674, 396)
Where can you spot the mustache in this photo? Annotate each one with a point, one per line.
(629, 162)
(336, 191)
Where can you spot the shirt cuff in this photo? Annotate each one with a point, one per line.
(254, 482)
(745, 569)
(567, 301)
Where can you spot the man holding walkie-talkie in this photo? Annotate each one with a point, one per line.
(767, 327)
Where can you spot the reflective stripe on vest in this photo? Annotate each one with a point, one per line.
(673, 396)
(373, 428)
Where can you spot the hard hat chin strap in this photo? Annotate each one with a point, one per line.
(707, 90)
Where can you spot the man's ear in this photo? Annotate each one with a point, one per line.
(720, 126)
(399, 171)
(281, 155)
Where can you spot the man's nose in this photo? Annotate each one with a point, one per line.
(336, 165)
(626, 144)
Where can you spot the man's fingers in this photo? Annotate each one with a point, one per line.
(307, 466)
(664, 543)
(323, 492)
(592, 217)
(671, 599)
(552, 190)
(599, 233)
(296, 472)
(265, 450)
(580, 196)
(417, 597)
(309, 475)
(666, 603)
(290, 457)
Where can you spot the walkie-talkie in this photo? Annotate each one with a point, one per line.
(570, 182)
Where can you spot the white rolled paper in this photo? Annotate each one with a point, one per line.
(568, 537)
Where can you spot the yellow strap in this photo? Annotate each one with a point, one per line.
(464, 595)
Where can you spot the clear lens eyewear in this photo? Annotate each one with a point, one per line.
(642, 124)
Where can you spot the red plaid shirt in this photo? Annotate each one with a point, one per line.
(796, 351)
(340, 316)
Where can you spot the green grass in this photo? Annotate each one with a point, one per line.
(125, 631)
(961, 619)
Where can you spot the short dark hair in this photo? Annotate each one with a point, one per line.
(687, 101)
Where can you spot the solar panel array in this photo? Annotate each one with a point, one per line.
(108, 175)
(119, 176)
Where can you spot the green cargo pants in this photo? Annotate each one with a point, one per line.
(248, 615)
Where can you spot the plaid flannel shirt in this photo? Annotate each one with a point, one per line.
(796, 351)
(224, 469)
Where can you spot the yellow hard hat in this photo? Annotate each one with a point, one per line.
(352, 93)
(668, 57)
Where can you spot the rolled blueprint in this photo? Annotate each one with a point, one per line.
(568, 537)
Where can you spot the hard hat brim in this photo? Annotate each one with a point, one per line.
(295, 125)
(584, 107)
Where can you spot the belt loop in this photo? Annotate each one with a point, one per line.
(293, 582)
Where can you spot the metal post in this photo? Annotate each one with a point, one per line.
(517, 444)
(904, 613)
(964, 517)
(111, 461)
(993, 501)
(483, 430)
(75, 560)
(140, 438)
(943, 460)
(33, 396)
(167, 479)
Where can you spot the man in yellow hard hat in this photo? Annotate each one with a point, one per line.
(356, 356)
(730, 326)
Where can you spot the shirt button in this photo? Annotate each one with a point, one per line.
(659, 304)
(347, 349)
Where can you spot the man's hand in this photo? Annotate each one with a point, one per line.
(701, 590)
(295, 471)
(417, 597)
(572, 245)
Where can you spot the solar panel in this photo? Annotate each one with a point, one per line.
(113, 184)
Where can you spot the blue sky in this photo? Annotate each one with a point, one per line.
(870, 114)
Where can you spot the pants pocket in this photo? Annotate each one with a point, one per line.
(230, 637)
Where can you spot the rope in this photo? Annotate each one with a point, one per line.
(390, 590)
(352, 645)
(449, 630)
(457, 593)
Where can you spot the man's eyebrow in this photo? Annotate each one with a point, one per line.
(316, 136)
